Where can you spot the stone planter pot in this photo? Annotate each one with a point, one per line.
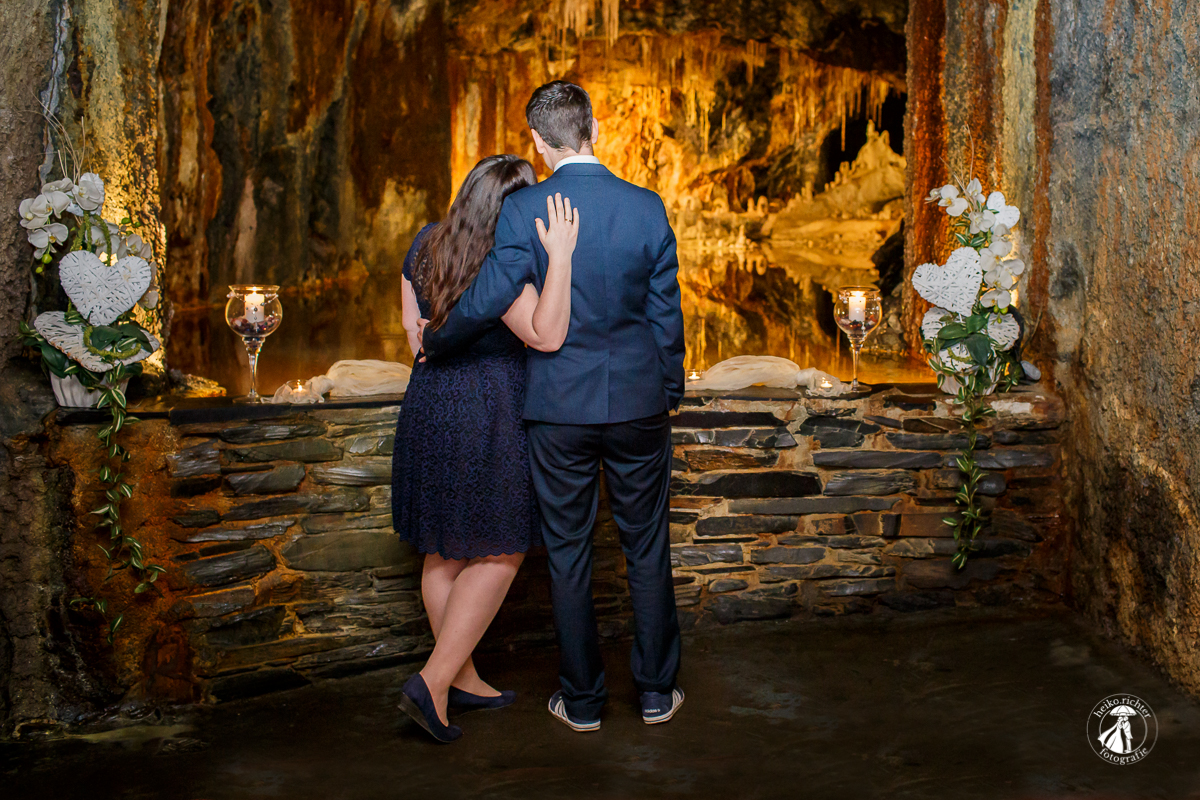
(71, 393)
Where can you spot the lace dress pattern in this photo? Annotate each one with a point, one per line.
(461, 485)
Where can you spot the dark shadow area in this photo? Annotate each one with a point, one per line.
(956, 703)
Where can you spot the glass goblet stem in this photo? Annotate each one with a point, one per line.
(253, 345)
(856, 343)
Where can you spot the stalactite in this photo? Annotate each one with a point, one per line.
(821, 92)
(612, 19)
(575, 16)
(756, 56)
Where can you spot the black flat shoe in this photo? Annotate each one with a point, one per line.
(417, 702)
(462, 702)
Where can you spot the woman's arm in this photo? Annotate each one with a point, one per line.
(542, 322)
(410, 316)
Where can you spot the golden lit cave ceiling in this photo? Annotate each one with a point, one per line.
(728, 128)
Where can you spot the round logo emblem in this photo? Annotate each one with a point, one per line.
(1122, 729)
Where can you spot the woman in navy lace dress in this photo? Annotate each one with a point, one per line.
(461, 487)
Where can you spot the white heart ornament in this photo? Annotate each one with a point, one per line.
(954, 286)
(1003, 330)
(68, 338)
(100, 292)
(934, 320)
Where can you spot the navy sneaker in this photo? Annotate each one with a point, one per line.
(558, 707)
(658, 708)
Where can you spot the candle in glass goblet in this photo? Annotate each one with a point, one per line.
(858, 310)
(254, 306)
(858, 306)
(253, 313)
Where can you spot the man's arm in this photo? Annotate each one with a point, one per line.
(666, 316)
(504, 273)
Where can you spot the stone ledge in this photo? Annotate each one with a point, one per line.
(285, 567)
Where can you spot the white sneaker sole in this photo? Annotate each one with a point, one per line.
(666, 717)
(560, 713)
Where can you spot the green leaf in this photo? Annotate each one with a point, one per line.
(980, 348)
(141, 587)
(54, 360)
(135, 331)
(953, 331)
(104, 336)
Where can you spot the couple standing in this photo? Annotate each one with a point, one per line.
(499, 445)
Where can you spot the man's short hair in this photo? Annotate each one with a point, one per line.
(561, 113)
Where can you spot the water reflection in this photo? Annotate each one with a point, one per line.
(733, 304)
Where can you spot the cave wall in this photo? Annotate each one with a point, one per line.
(92, 64)
(1123, 267)
(1084, 114)
(305, 143)
(29, 566)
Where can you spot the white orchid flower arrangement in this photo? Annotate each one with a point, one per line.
(972, 330)
(105, 270)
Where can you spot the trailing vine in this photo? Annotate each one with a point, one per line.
(122, 550)
(975, 410)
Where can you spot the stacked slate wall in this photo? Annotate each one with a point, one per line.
(283, 567)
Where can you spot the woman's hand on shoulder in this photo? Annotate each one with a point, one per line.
(559, 234)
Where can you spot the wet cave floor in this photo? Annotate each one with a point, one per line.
(966, 703)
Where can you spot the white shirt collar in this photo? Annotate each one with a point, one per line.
(576, 160)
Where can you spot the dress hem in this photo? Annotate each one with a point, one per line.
(495, 551)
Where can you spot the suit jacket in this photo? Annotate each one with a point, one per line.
(623, 355)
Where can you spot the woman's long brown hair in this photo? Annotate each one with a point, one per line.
(453, 252)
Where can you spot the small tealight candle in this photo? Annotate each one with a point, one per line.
(694, 375)
(296, 386)
(825, 384)
(254, 307)
(858, 307)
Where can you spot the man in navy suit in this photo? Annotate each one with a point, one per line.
(602, 398)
